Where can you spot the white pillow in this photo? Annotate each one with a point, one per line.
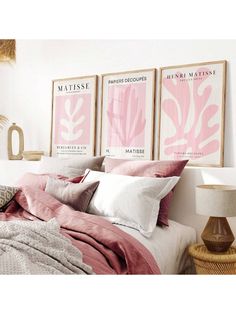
(127, 200)
(70, 167)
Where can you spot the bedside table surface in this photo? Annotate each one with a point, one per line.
(200, 251)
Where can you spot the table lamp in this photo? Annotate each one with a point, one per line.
(218, 202)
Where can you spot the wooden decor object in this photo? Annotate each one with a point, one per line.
(217, 235)
(32, 155)
(19, 156)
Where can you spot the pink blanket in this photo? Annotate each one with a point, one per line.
(105, 247)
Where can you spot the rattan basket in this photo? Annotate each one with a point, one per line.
(207, 262)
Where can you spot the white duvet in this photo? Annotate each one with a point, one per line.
(168, 246)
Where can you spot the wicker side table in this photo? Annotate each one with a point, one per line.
(207, 262)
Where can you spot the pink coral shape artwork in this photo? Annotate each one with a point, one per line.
(72, 119)
(127, 123)
(191, 109)
(126, 115)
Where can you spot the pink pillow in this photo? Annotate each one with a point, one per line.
(149, 168)
(39, 181)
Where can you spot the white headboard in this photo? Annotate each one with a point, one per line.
(12, 170)
(183, 204)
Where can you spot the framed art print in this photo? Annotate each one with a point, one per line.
(128, 114)
(74, 116)
(191, 117)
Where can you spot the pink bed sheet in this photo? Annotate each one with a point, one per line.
(105, 247)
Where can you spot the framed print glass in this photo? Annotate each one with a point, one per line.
(191, 117)
(128, 114)
(73, 116)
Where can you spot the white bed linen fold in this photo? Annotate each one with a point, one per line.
(168, 246)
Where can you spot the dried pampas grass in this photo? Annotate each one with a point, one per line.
(3, 121)
(7, 49)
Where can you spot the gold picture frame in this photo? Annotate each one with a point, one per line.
(128, 114)
(191, 113)
(74, 114)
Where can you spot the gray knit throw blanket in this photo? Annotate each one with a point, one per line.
(35, 247)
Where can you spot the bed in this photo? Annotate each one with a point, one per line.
(169, 247)
(41, 233)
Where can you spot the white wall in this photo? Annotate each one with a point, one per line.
(25, 93)
(25, 87)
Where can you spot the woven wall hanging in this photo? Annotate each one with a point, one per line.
(7, 50)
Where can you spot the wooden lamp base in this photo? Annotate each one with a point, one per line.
(217, 235)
